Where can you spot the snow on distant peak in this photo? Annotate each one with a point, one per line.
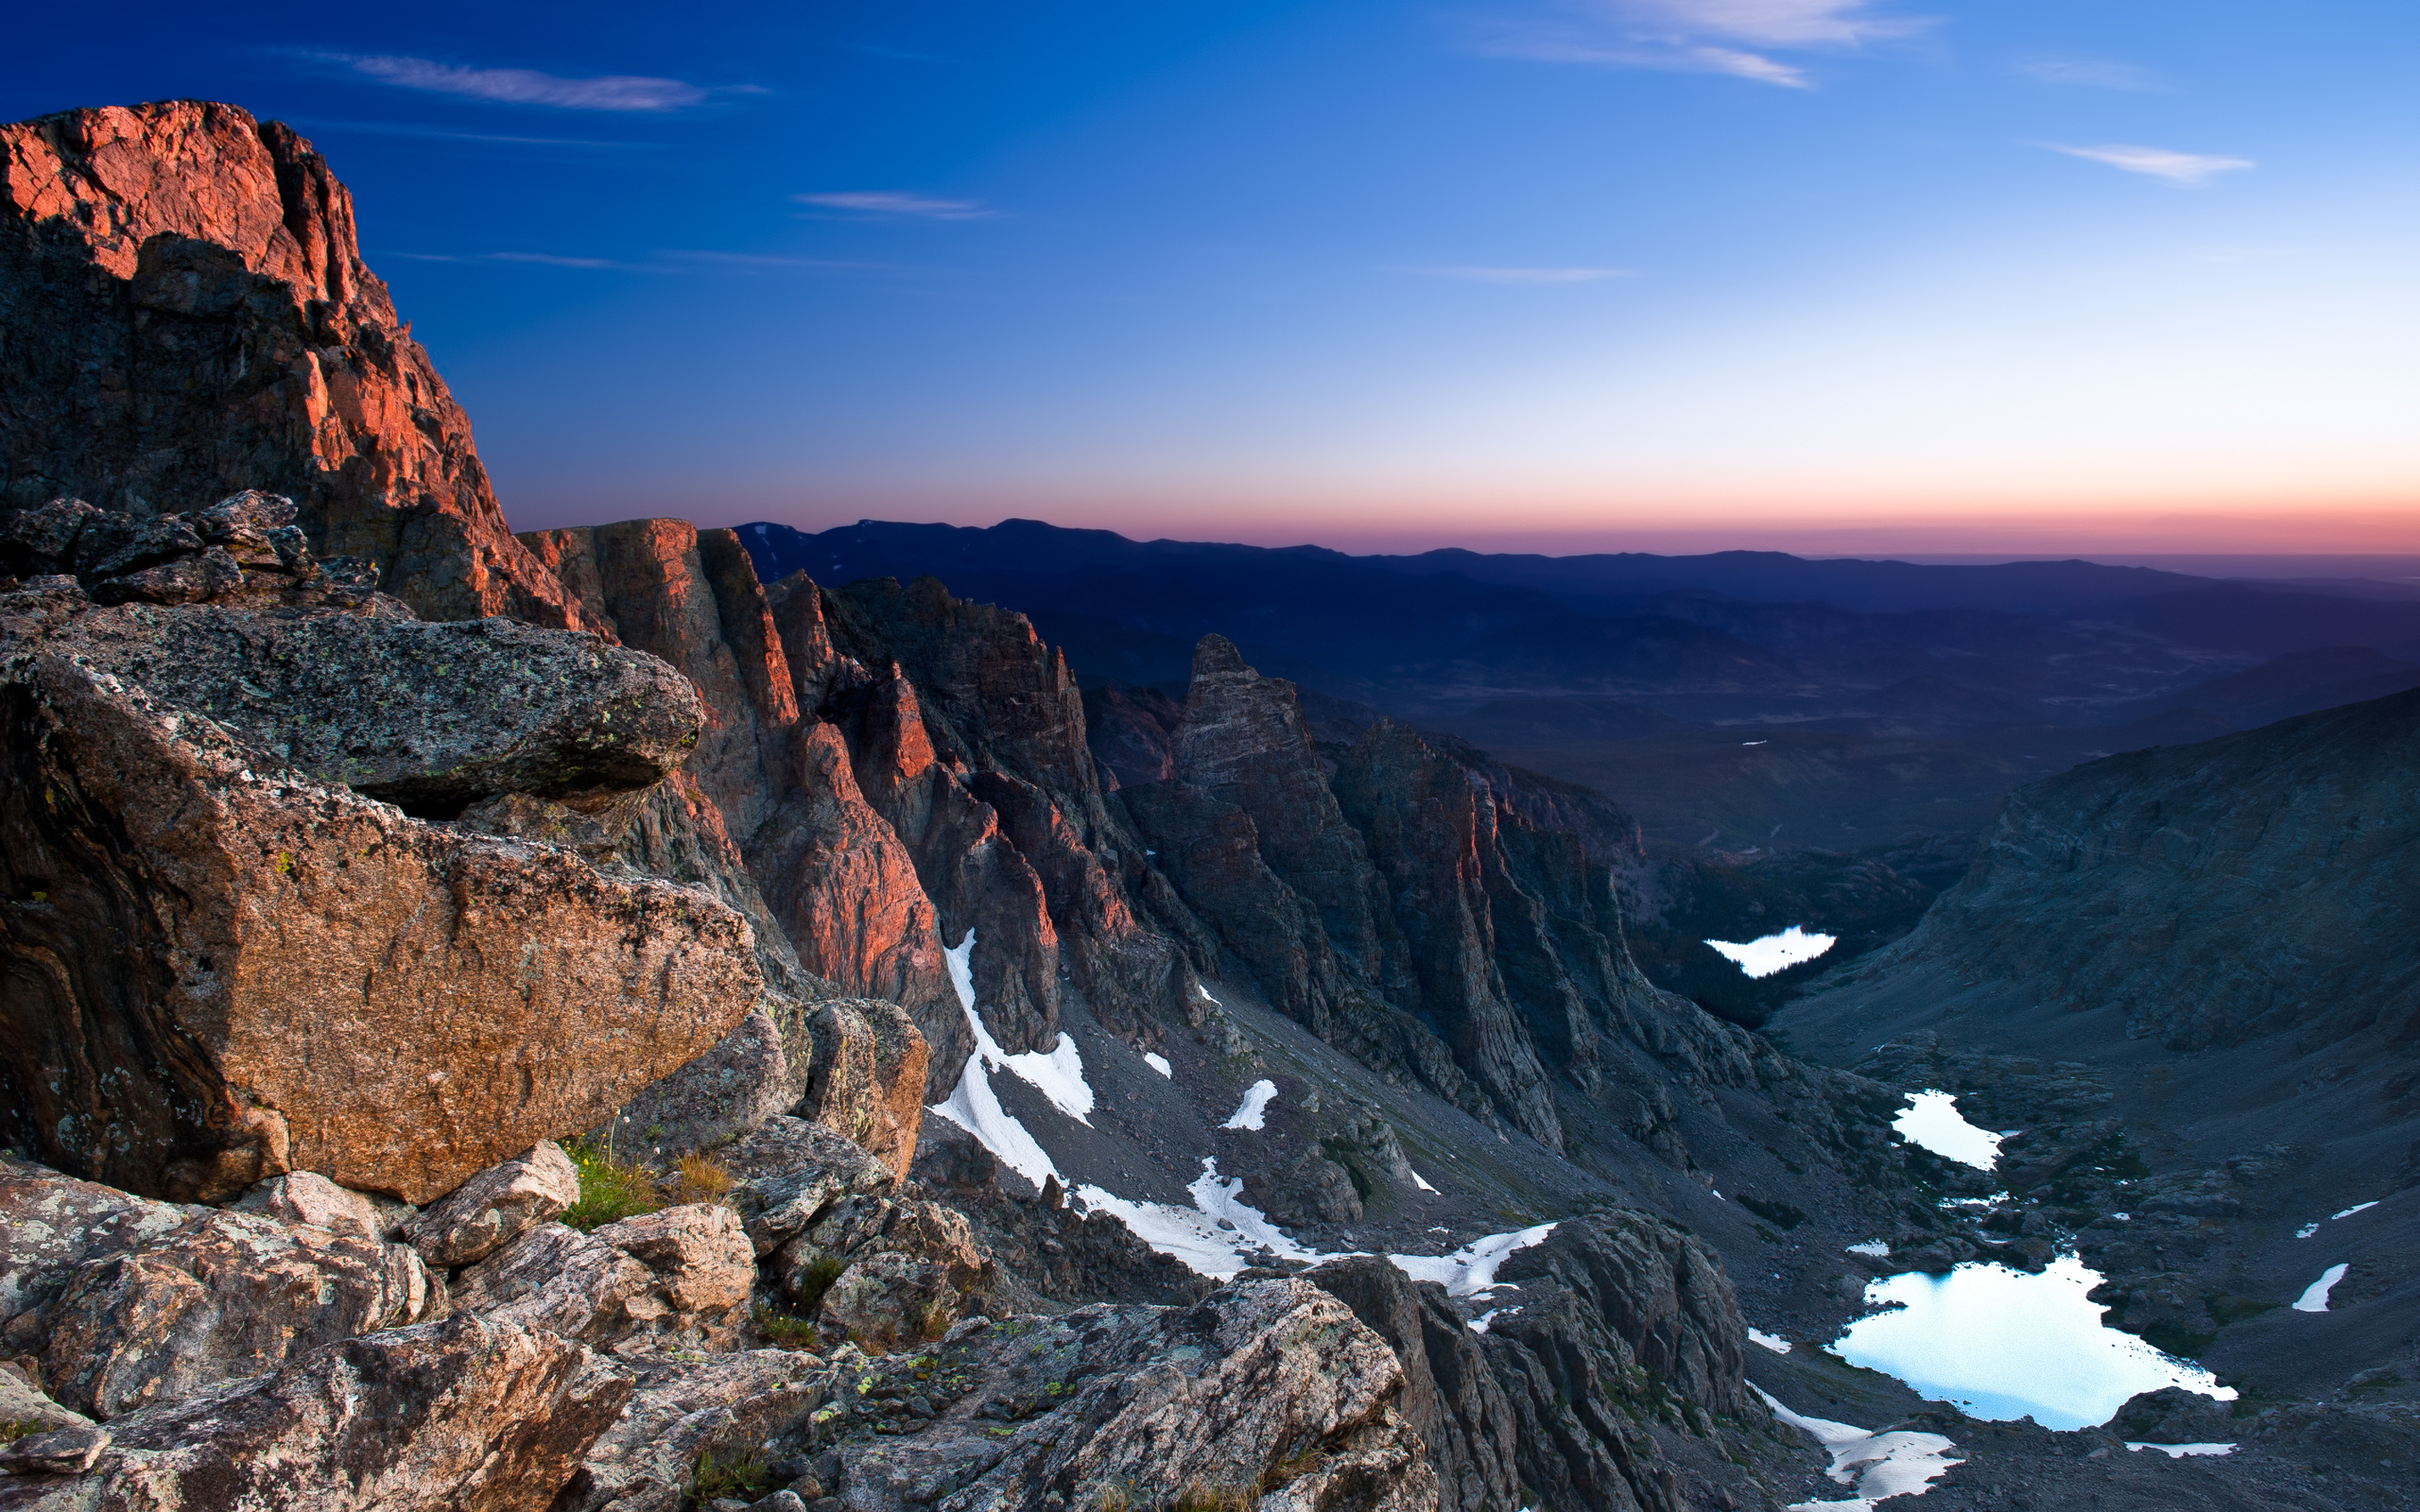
(1253, 1112)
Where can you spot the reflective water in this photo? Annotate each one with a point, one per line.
(1932, 1119)
(2002, 1344)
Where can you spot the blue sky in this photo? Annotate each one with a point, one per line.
(1820, 274)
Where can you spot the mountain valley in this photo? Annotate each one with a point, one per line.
(652, 1017)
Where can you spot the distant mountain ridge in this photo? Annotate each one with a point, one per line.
(1892, 700)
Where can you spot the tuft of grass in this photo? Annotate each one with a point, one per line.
(16, 1427)
(1203, 1496)
(787, 1330)
(745, 1473)
(610, 1190)
(814, 1281)
(700, 1179)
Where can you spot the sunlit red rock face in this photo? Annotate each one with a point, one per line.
(896, 768)
(189, 316)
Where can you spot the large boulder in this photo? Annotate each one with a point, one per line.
(678, 1274)
(55, 1227)
(463, 1416)
(307, 1198)
(429, 717)
(495, 1207)
(1268, 1390)
(228, 1295)
(221, 967)
(731, 1089)
(868, 1077)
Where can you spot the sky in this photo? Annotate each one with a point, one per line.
(1974, 277)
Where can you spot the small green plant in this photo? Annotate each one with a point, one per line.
(813, 1279)
(16, 1427)
(740, 1473)
(787, 1330)
(609, 1188)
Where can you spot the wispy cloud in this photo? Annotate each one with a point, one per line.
(1734, 37)
(764, 260)
(1523, 275)
(2091, 72)
(2188, 168)
(527, 86)
(896, 204)
(537, 259)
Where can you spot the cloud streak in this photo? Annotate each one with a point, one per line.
(1524, 275)
(2191, 169)
(2091, 72)
(896, 204)
(527, 86)
(1731, 37)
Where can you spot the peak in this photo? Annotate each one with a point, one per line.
(1214, 654)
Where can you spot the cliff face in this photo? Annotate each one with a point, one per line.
(1402, 895)
(2252, 884)
(188, 316)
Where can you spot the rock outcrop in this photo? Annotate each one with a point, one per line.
(461, 1415)
(495, 1207)
(55, 1227)
(222, 966)
(221, 1298)
(190, 316)
(868, 1076)
(1623, 1326)
(1451, 1397)
(659, 1279)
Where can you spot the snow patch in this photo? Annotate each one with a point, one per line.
(1774, 952)
(2358, 1207)
(1060, 1076)
(1206, 997)
(1418, 1181)
(1760, 1336)
(1252, 1111)
(1876, 1466)
(2307, 1230)
(1932, 1121)
(1471, 1270)
(2314, 1298)
(1158, 1063)
(1479, 1324)
(974, 1106)
(1878, 1249)
(2180, 1450)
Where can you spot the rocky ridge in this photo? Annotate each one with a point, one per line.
(333, 970)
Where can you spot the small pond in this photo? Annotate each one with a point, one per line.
(2002, 1344)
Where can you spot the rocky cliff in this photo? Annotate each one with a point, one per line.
(187, 316)
(326, 912)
